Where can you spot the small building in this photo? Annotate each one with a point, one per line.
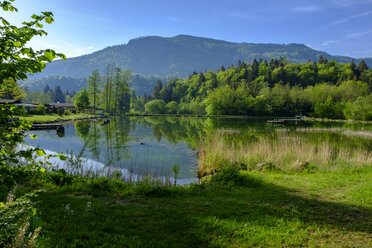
(57, 105)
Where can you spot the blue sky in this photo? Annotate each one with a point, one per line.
(339, 27)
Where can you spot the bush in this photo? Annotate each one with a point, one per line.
(155, 107)
(172, 107)
(60, 177)
(40, 110)
(15, 215)
(328, 109)
(361, 109)
(231, 176)
(60, 111)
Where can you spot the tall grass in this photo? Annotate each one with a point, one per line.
(284, 152)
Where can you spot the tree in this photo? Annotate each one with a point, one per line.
(81, 99)
(58, 95)
(155, 107)
(157, 89)
(46, 89)
(9, 89)
(172, 107)
(94, 86)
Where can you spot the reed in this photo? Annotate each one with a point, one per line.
(284, 152)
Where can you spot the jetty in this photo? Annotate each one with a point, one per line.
(296, 119)
(46, 126)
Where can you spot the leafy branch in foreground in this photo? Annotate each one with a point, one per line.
(16, 61)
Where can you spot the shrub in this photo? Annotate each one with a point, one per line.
(231, 176)
(155, 107)
(39, 110)
(172, 107)
(361, 109)
(60, 111)
(15, 217)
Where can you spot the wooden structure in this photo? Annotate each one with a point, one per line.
(297, 119)
(46, 126)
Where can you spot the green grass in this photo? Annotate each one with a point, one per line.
(53, 117)
(280, 209)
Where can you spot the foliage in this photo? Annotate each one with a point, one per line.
(176, 171)
(361, 109)
(16, 61)
(40, 110)
(274, 88)
(81, 99)
(155, 107)
(171, 107)
(231, 176)
(9, 89)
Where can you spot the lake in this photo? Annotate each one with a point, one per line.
(141, 146)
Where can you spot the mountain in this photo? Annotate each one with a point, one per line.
(180, 55)
(141, 84)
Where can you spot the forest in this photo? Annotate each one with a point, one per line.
(325, 89)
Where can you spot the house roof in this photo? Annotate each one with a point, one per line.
(61, 105)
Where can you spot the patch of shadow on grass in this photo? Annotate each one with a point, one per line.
(263, 215)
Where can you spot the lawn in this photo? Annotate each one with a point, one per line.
(53, 117)
(273, 209)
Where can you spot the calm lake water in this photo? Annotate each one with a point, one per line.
(143, 146)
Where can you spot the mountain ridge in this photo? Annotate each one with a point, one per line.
(180, 55)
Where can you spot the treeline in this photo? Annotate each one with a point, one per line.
(48, 95)
(326, 89)
(110, 91)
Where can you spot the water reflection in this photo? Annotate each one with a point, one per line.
(153, 145)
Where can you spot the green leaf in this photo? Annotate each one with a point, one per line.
(49, 19)
(40, 152)
(42, 169)
(2, 204)
(49, 55)
(33, 136)
(62, 157)
(5, 22)
(5, 7)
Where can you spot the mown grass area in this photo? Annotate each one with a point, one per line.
(53, 117)
(232, 209)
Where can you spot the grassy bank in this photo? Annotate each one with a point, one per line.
(284, 151)
(53, 117)
(233, 209)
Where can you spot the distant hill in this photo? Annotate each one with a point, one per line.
(141, 84)
(179, 56)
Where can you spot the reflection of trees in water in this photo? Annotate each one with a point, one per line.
(193, 131)
(117, 135)
(114, 136)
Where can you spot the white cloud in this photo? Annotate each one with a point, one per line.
(309, 9)
(69, 49)
(347, 19)
(358, 34)
(349, 3)
(329, 42)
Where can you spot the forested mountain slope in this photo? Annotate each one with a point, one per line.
(181, 55)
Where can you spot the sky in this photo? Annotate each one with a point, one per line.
(339, 27)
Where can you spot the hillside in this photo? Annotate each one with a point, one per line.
(180, 56)
(141, 84)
